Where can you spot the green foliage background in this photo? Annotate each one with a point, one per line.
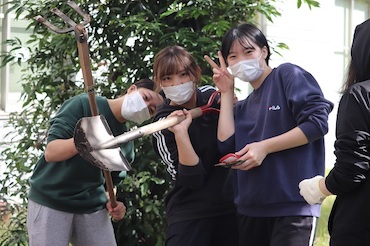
(49, 79)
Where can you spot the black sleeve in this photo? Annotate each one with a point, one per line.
(352, 143)
(164, 145)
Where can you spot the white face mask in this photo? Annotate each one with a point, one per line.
(247, 70)
(179, 94)
(134, 108)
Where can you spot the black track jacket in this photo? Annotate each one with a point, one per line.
(201, 191)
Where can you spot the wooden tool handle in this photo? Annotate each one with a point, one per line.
(169, 122)
(109, 184)
(148, 129)
(83, 54)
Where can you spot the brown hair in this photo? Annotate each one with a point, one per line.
(170, 60)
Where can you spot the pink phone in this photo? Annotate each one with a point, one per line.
(230, 160)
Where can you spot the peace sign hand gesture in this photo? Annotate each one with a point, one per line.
(221, 76)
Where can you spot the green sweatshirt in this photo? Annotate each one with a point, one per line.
(74, 185)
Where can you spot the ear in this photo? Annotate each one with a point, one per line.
(156, 81)
(199, 71)
(199, 74)
(131, 88)
(264, 52)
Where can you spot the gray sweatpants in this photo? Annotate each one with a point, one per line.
(48, 226)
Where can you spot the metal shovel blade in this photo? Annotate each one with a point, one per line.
(89, 132)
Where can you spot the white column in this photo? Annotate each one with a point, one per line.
(5, 34)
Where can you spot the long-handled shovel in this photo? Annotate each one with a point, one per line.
(93, 138)
(83, 53)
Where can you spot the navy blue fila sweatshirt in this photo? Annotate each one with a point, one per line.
(289, 97)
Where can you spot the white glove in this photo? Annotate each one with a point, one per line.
(310, 190)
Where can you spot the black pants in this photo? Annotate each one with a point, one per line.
(276, 231)
(216, 231)
(349, 220)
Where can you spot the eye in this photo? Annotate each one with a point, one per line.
(151, 110)
(166, 78)
(184, 74)
(231, 57)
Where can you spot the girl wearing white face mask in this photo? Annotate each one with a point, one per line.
(67, 199)
(199, 207)
(278, 132)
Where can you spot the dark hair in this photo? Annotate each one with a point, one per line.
(359, 66)
(243, 33)
(143, 83)
(172, 58)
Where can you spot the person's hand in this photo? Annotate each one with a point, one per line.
(310, 190)
(221, 76)
(183, 126)
(118, 212)
(252, 155)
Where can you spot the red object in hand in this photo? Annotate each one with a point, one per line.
(230, 160)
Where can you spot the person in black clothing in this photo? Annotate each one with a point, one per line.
(350, 178)
(199, 207)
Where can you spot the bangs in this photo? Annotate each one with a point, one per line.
(245, 42)
(248, 36)
(172, 64)
(173, 60)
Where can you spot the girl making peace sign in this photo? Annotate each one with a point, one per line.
(278, 132)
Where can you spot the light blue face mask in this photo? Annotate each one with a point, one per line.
(179, 94)
(247, 70)
(134, 108)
